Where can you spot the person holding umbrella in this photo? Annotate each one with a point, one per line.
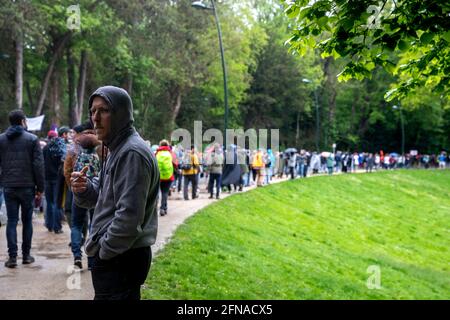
(292, 160)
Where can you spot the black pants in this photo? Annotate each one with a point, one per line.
(292, 172)
(193, 179)
(120, 278)
(164, 187)
(178, 180)
(217, 178)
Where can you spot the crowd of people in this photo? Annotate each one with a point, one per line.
(304, 162)
(92, 176)
(54, 159)
(100, 177)
(238, 168)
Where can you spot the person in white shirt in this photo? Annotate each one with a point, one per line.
(386, 161)
(377, 161)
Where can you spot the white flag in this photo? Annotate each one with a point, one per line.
(35, 124)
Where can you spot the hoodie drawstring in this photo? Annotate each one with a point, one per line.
(102, 164)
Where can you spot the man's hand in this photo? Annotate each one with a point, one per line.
(78, 181)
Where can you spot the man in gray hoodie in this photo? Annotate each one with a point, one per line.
(125, 197)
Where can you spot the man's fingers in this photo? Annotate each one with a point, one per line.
(84, 170)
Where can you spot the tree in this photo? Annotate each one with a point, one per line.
(278, 98)
(408, 37)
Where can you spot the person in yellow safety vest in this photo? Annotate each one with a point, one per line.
(258, 166)
(190, 169)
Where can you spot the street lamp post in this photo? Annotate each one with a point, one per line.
(201, 5)
(403, 126)
(316, 103)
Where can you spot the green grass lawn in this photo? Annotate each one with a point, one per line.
(315, 239)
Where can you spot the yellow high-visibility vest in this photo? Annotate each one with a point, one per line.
(258, 161)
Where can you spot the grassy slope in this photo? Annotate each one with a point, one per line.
(315, 239)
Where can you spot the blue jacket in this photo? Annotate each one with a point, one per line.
(54, 154)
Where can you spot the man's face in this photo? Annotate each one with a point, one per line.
(101, 117)
(71, 135)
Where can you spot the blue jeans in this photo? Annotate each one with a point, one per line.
(52, 213)
(179, 182)
(15, 198)
(300, 170)
(79, 220)
(304, 171)
(247, 178)
(68, 207)
(1, 197)
(268, 175)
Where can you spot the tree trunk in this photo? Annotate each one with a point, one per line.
(297, 133)
(352, 121)
(55, 100)
(19, 71)
(59, 45)
(128, 85)
(72, 93)
(82, 84)
(331, 88)
(176, 107)
(30, 96)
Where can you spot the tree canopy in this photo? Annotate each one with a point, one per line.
(166, 55)
(408, 38)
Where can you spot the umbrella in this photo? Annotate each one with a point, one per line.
(394, 155)
(325, 154)
(290, 150)
(209, 148)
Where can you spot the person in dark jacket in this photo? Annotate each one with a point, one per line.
(54, 153)
(125, 197)
(64, 195)
(22, 176)
(232, 170)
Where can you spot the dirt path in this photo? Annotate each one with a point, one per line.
(52, 277)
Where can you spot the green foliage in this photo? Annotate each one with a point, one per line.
(404, 37)
(166, 54)
(314, 239)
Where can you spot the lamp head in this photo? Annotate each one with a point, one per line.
(200, 5)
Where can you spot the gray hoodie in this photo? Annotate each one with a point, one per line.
(125, 195)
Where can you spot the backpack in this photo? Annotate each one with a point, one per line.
(165, 164)
(88, 157)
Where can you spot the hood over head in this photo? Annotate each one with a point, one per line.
(121, 109)
(164, 148)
